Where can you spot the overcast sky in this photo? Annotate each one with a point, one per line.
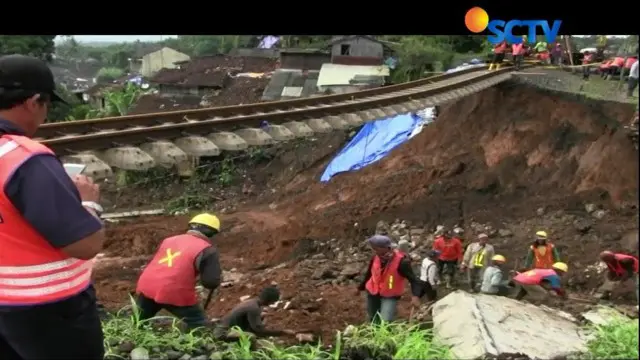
(119, 38)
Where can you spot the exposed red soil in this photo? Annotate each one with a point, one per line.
(496, 158)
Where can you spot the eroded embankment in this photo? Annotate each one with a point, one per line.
(515, 157)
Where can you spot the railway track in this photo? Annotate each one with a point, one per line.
(179, 138)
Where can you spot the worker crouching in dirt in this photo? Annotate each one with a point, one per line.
(168, 281)
(539, 283)
(476, 259)
(621, 267)
(429, 276)
(385, 278)
(493, 281)
(450, 250)
(247, 316)
(542, 253)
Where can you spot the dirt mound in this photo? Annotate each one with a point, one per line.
(515, 157)
(495, 156)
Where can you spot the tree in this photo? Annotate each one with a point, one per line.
(108, 74)
(40, 46)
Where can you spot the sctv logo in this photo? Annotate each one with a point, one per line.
(477, 20)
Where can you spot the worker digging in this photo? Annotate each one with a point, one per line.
(169, 280)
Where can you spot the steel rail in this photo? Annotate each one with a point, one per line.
(169, 130)
(122, 122)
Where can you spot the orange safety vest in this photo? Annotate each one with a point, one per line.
(517, 49)
(587, 59)
(386, 282)
(170, 277)
(619, 62)
(543, 261)
(618, 269)
(629, 63)
(533, 277)
(32, 271)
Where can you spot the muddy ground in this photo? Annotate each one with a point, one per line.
(510, 160)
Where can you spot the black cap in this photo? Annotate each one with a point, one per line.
(21, 72)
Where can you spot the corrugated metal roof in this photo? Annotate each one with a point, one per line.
(336, 74)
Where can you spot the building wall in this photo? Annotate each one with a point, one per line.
(301, 61)
(359, 46)
(357, 60)
(161, 59)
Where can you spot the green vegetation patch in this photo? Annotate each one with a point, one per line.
(616, 340)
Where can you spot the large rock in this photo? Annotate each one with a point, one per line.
(478, 325)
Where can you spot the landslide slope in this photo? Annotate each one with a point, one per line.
(498, 156)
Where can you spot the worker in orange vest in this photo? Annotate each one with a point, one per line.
(542, 253)
(621, 267)
(616, 67)
(517, 51)
(628, 64)
(168, 281)
(384, 280)
(587, 59)
(50, 230)
(603, 69)
(540, 282)
(498, 55)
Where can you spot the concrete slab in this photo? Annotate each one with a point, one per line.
(197, 146)
(165, 153)
(389, 111)
(478, 325)
(367, 115)
(319, 126)
(337, 122)
(299, 129)
(602, 315)
(353, 119)
(96, 168)
(228, 141)
(279, 133)
(378, 113)
(255, 137)
(128, 158)
(400, 108)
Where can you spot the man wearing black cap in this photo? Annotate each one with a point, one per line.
(49, 230)
(385, 278)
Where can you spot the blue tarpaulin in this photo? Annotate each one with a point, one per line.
(376, 139)
(373, 142)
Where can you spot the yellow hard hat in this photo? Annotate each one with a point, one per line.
(560, 266)
(541, 234)
(499, 258)
(205, 219)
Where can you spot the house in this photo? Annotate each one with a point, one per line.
(207, 75)
(357, 50)
(340, 79)
(291, 84)
(164, 58)
(303, 59)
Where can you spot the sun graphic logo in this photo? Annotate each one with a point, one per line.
(476, 20)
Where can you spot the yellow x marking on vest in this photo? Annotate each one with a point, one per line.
(169, 258)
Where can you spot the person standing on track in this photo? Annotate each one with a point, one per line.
(384, 280)
(49, 230)
(498, 55)
(632, 81)
(517, 51)
(587, 59)
(169, 280)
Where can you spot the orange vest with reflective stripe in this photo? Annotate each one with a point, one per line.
(543, 261)
(170, 277)
(387, 281)
(31, 270)
(533, 277)
(618, 269)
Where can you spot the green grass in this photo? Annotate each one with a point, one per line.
(387, 341)
(616, 340)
